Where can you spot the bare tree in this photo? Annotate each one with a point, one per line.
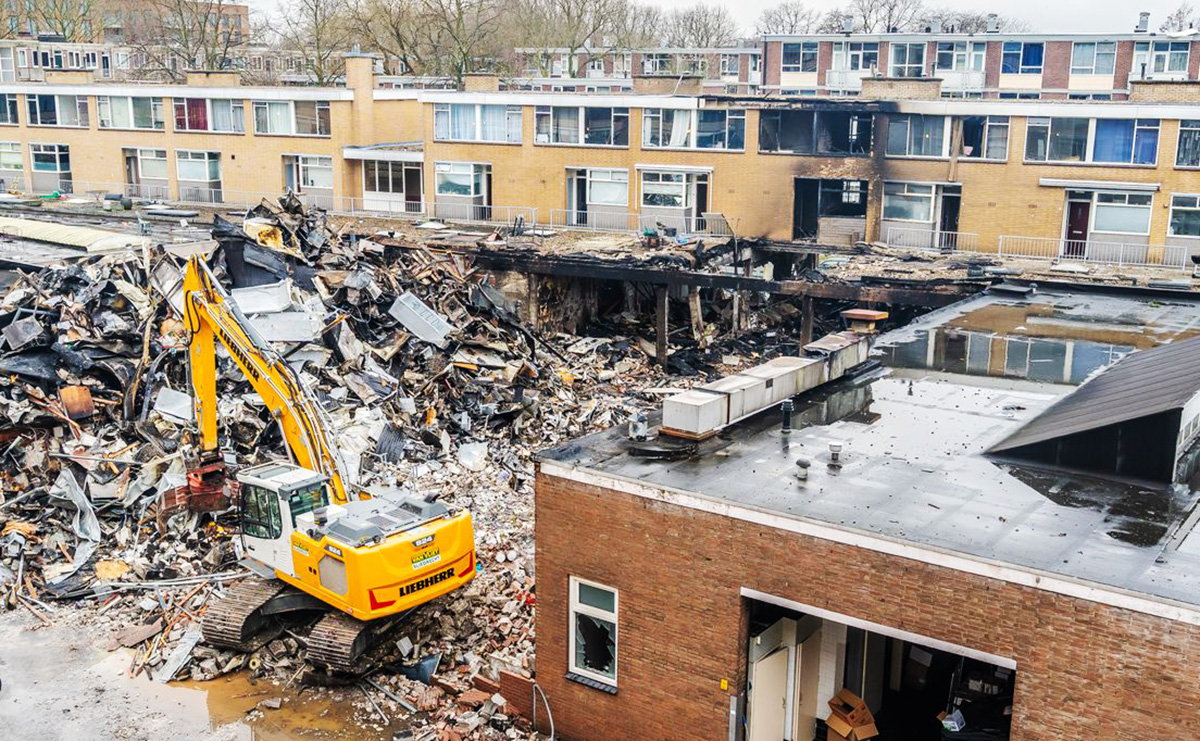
(881, 16)
(701, 26)
(637, 25)
(788, 17)
(394, 28)
(169, 37)
(1180, 19)
(966, 21)
(75, 20)
(572, 25)
(319, 31)
(462, 32)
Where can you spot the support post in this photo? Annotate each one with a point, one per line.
(806, 326)
(697, 314)
(660, 335)
(532, 286)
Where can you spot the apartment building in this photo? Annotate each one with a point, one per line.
(733, 70)
(984, 65)
(1108, 181)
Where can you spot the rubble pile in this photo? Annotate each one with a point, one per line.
(429, 380)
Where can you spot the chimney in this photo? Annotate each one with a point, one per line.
(847, 23)
(1143, 22)
(993, 23)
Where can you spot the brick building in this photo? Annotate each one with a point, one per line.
(714, 594)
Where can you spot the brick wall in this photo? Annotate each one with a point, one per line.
(1084, 671)
(991, 65)
(901, 88)
(1056, 66)
(1124, 65)
(1164, 91)
(824, 60)
(772, 54)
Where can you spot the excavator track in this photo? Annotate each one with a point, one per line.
(238, 621)
(341, 643)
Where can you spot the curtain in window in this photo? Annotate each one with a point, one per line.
(462, 121)
(1145, 146)
(143, 113)
(997, 142)
(279, 118)
(441, 123)
(926, 132)
(1189, 145)
(680, 128)
(68, 111)
(192, 170)
(513, 124)
(118, 114)
(494, 123)
(222, 115)
(306, 117)
(1114, 140)
(197, 114)
(566, 125)
(1122, 219)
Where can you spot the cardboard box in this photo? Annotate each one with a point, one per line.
(851, 708)
(839, 725)
(864, 732)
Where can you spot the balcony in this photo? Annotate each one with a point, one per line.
(958, 81)
(845, 79)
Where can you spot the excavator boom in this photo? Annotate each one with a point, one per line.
(211, 315)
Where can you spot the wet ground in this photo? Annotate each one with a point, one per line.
(58, 682)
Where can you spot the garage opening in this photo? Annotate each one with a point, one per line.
(886, 683)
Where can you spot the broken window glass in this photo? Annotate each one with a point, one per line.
(594, 627)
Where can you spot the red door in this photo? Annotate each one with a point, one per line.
(1078, 216)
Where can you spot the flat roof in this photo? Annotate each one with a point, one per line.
(913, 472)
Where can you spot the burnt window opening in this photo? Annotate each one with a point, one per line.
(815, 132)
(843, 198)
(984, 137)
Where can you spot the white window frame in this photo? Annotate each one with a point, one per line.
(896, 68)
(606, 175)
(1089, 157)
(959, 52)
(193, 155)
(656, 176)
(990, 122)
(1150, 53)
(150, 153)
(512, 115)
(306, 162)
(81, 111)
(577, 607)
(105, 103)
(57, 152)
(909, 191)
(945, 154)
(1109, 51)
(1021, 68)
(10, 148)
(458, 168)
(237, 115)
(808, 50)
(1096, 206)
(730, 64)
(548, 110)
(12, 109)
(1194, 205)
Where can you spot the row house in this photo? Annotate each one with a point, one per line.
(721, 70)
(1109, 181)
(983, 65)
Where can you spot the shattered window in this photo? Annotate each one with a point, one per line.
(593, 631)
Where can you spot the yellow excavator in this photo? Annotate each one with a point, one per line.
(316, 542)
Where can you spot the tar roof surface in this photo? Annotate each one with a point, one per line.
(957, 381)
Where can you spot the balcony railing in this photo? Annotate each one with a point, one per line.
(961, 79)
(928, 239)
(846, 79)
(479, 214)
(1113, 253)
(709, 224)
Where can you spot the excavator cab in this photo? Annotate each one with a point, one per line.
(272, 496)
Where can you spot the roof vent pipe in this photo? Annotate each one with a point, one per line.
(1143, 22)
(993, 23)
(786, 408)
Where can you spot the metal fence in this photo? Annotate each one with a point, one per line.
(929, 239)
(473, 213)
(709, 224)
(1113, 253)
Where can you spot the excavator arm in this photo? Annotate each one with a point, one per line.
(212, 316)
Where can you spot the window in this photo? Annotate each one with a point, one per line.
(1056, 139)
(1160, 57)
(908, 202)
(122, 112)
(985, 137)
(855, 56)
(200, 114)
(228, 115)
(1021, 58)
(916, 135)
(198, 166)
(960, 56)
(608, 187)
(591, 126)
(593, 649)
(1093, 58)
(665, 127)
(8, 109)
(730, 64)
(1122, 213)
(800, 57)
(458, 179)
(315, 172)
(664, 189)
(152, 163)
(469, 122)
(1126, 141)
(260, 513)
(57, 110)
(312, 117)
(720, 129)
(272, 117)
(1188, 154)
(1185, 214)
(387, 177)
(10, 156)
(908, 60)
(51, 157)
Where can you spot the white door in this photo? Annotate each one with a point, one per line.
(768, 697)
(266, 528)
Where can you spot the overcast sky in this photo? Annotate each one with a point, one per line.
(1042, 15)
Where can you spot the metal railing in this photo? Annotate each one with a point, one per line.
(473, 213)
(709, 224)
(930, 239)
(1113, 253)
